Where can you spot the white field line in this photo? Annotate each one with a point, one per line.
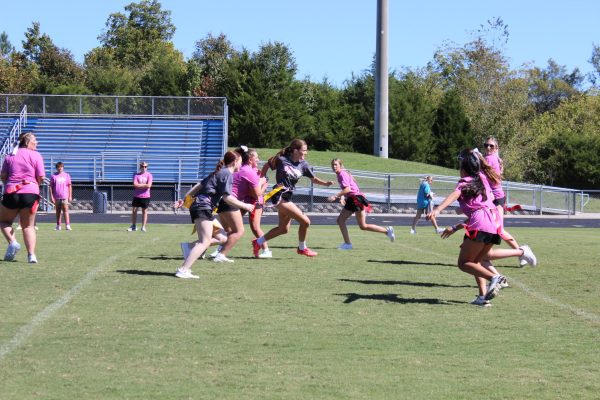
(540, 296)
(27, 330)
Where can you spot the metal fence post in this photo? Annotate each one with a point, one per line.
(311, 199)
(389, 194)
(541, 199)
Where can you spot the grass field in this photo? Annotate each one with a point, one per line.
(102, 317)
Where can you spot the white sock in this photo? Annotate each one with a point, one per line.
(301, 245)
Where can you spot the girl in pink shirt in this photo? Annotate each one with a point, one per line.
(495, 162)
(142, 182)
(61, 194)
(250, 189)
(354, 203)
(475, 198)
(22, 173)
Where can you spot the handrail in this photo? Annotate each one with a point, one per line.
(15, 132)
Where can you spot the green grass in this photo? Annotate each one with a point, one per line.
(101, 317)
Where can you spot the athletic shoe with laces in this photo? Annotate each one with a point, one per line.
(481, 302)
(503, 282)
(413, 231)
(390, 233)
(266, 254)
(345, 246)
(32, 259)
(185, 274)
(57, 228)
(439, 231)
(493, 287)
(11, 251)
(132, 228)
(185, 249)
(306, 252)
(255, 248)
(69, 227)
(220, 257)
(213, 254)
(527, 256)
(143, 229)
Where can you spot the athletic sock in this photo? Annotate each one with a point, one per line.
(301, 245)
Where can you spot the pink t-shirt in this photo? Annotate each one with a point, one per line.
(243, 180)
(144, 177)
(494, 161)
(26, 166)
(346, 181)
(59, 183)
(482, 213)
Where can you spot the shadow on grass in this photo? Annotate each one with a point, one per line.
(393, 298)
(407, 283)
(145, 273)
(162, 257)
(408, 262)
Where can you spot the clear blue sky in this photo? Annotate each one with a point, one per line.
(334, 38)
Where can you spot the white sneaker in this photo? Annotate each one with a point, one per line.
(213, 254)
(222, 258)
(266, 254)
(390, 233)
(132, 228)
(185, 249)
(493, 287)
(11, 251)
(35, 227)
(503, 282)
(345, 246)
(185, 274)
(57, 228)
(527, 256)
(439, 231)
(413, 231)
(143, 229)
(522, 262)
(31, 259)
(68, 227)
(481, 301)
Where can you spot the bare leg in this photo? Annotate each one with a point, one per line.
(255, 226)
(27, 219)
(144, 217)
(341, 221)
(7, 216)
(470, 257)
(416, 219)
(134, 215)
(233, 219)
(361, 218)
(66, 213)
(204, 230)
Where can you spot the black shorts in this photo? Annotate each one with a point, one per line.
(282, 196)
(356, 203)
(203, 215)
(225, 207)
(141, 202)
(483, 237)
(500, 202)
(16, 201)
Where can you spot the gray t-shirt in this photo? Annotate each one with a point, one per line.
(214, 187)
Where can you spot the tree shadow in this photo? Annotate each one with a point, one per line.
(393, 298)
(146, 273)
(407, 262)
(407, 283)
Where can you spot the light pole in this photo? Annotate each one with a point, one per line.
(381, 82)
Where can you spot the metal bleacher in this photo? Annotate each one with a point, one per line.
(108, 148)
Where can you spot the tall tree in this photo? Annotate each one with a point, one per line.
(209, 64)
(451, 130)
(6, 47)
(134, 35)
(550, 86)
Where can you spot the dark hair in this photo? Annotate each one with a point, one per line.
(295, 144)
(470, 163)
(245, 152)
(229, 158)
(59, 164)
(493, 177)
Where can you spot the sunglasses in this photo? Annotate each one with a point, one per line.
(490, 145)
(143, 166)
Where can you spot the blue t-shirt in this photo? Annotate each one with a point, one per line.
(424, 195)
